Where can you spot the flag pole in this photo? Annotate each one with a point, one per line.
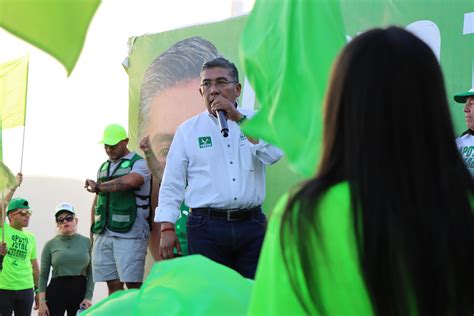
(3, 229)
(23, 146)
(24, 122)
(3, 218)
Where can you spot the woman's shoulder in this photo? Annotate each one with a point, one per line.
(83, 238)
(50, 242)
(337, 193)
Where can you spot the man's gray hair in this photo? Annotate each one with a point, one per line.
(180, 63)
(221, 62)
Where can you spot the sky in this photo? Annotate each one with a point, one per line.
(66, 115)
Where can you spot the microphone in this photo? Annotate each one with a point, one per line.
(223, 123)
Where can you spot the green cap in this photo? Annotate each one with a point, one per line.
(17, 203)
(462, 97)
(113, 134)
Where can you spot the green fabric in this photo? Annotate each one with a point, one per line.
(191, 285)
(121, 303)
(341, 289)
(69, 256)
(115, 210)
(56, 26)
(181, 230)
(17, 272)
(287, 49)
(7, 179)
(13, 83)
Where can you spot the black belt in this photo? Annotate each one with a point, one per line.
(229, 215)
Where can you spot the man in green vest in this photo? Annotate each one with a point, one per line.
(120, 214)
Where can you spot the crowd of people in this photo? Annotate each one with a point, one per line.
(385, 227)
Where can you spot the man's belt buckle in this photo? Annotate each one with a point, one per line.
(230, 218)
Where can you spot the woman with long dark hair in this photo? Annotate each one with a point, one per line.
(386, 226)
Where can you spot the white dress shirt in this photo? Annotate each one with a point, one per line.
(205, 169)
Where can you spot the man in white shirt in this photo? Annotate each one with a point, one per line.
(465, 142)
(222, 179)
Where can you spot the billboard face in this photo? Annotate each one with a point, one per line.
(164, 68)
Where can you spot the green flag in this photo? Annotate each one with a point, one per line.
(191, 285)
(7, 179)
(287, 50)
(56, 26)
(13, 85)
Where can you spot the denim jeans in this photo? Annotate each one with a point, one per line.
(235, 244)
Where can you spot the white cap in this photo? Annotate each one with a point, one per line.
(64, 207)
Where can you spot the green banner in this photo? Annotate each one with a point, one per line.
(164, 68)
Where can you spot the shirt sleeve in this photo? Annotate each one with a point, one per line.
(173, 185)
(45, 267)
(141, 168)
(266, 153)
(33, 249)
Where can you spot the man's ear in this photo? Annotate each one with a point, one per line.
(238, 89)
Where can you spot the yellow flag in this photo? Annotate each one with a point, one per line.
(7, 179)
(13, 85)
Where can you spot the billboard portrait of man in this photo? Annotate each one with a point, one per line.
(169, 95)
(170, 91)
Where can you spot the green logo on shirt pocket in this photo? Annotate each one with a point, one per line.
(205, 142)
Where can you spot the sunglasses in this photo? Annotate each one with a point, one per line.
(65, 219)
(24, 213)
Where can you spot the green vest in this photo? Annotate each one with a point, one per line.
(116, 210)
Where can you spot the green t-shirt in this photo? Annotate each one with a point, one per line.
(69, 256)
(17, 272)
(339, 280)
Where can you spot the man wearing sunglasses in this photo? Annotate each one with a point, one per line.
(19, 272)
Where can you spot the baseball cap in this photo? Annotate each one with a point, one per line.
(17, 203)
(64, 206)
(462, 97)
(113, 134)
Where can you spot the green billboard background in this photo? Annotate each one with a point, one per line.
(447, 26)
